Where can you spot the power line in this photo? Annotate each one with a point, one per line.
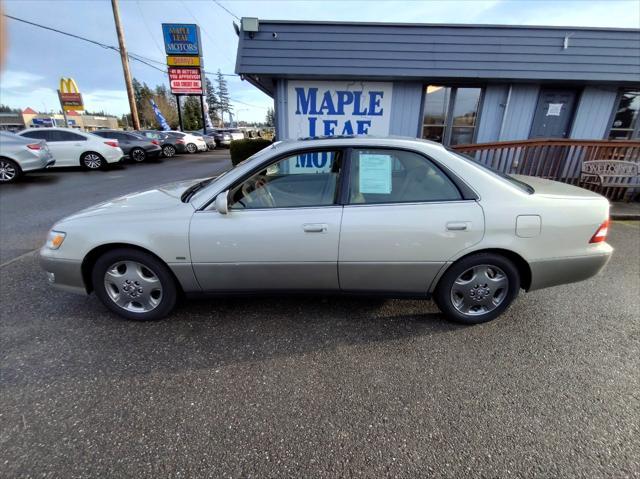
(226, 10)
(133, 56)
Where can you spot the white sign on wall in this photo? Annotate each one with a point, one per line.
(331, 108)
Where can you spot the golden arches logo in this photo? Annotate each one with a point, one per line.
(68, 85)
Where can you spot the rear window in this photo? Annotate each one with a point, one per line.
(503, 176)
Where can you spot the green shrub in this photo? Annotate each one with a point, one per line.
(242, 149)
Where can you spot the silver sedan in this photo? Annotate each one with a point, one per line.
(392, 217)
(21, 155)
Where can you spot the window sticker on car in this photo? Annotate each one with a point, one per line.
(375, 173)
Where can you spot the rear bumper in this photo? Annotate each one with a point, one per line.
(114, 155)
(553, 272)
(64, 274)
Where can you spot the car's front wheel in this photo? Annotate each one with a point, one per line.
(92, 161)
(138, 155)
(168, 151)
(9, 170)
(134, 284)
(478, 288)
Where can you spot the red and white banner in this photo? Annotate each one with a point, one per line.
(185, 81)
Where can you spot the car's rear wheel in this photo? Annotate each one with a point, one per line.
(134, 284)
(168, 151)
(9, 170)
(478, 288)
(138, 155)
(192, 148)
(92, 161)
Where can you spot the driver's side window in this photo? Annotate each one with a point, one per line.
(304, 179)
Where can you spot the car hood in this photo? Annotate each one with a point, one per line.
(159, 198)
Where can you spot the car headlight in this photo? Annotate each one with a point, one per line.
(55, 239)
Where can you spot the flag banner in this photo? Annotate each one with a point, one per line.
(161, 120)
(207, 118)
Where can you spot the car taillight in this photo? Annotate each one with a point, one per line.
(34, 146)
(180, 142)
(155, 142)
(601, 233)
(113, 143)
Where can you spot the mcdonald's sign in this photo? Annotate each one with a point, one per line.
(70, 97)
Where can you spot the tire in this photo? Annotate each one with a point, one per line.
(134, 284)
(92, 161)
(461, 293)
(168, 151)
(192, 148)
(9, 170)
(138, 155)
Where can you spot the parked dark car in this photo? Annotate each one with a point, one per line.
(208, 138)
(224, 136)
(135, 146)
(167, 142)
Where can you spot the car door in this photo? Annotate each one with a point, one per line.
(281, 231)
(66, 147)
(403, 219)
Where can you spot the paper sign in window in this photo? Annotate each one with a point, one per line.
(554, 109)
(375, 174)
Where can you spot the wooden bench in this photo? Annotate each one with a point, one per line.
(609, 174)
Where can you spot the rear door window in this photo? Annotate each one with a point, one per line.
(395, 176)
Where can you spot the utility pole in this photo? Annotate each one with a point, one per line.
(125, 66)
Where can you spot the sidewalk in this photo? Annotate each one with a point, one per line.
(625, 211)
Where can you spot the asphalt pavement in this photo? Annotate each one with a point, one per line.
(308, 386)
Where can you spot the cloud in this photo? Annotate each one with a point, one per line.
(19, 80)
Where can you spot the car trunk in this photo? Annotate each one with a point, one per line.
(556, 189)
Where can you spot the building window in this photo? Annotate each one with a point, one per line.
(625, 123)
(450, 114)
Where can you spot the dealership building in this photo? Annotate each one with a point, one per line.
(455, 84)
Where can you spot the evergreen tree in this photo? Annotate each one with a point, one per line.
(223, 96)
(270, 119)
(213, 102)
(191, 113)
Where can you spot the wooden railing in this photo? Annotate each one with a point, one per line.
(559, 160)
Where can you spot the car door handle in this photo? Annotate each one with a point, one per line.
(315, 227)
(457, 226)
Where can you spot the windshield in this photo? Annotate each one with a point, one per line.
(503, 176)
(203, 190)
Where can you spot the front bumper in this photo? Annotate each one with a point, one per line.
(64, 274)
(556, 271)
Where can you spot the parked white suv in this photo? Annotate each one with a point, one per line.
(77, 148)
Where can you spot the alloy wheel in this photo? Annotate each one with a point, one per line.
(133, 286)
(191, 148)
(8, 171)
(138, 155)
(479, 290)
(92, 161)
(168, 151)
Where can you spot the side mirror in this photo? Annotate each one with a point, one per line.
(221, 203)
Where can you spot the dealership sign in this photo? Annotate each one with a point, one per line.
(181, 38)
(70, 97)
(185, 81)
(183, 61)
(338, 108)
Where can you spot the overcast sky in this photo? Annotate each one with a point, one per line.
(38, 58)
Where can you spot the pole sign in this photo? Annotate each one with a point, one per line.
(70, 97)
(185, 81)
(183, 61)
(181, 39)
(330, 108)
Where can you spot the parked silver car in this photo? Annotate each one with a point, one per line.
(383, 216)
(20, 155)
